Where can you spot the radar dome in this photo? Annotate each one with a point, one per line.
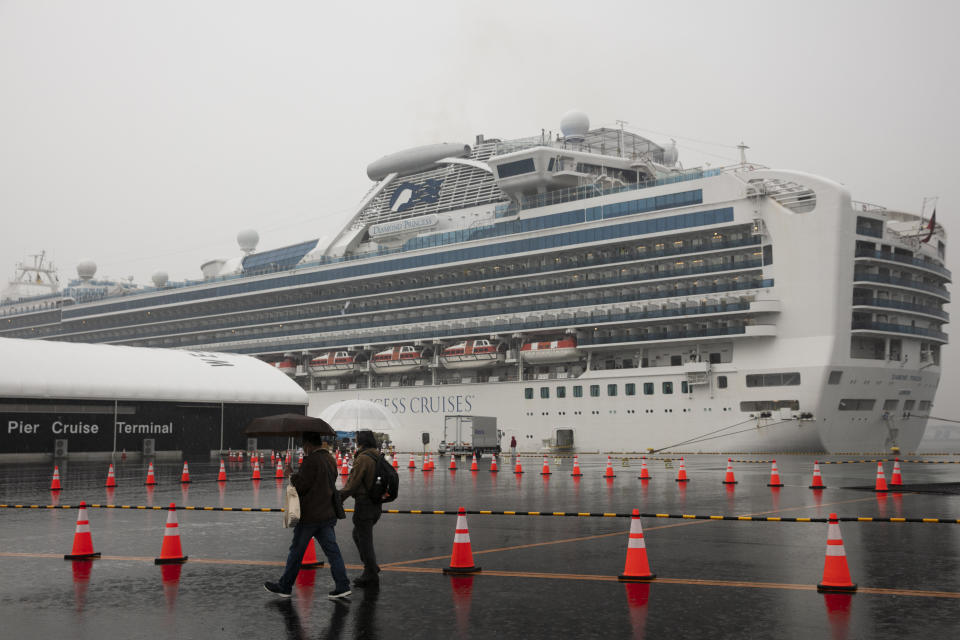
(160, 279)
(86, 269)
(248, 239)
(574, 124)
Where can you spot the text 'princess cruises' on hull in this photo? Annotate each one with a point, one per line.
(585, 290)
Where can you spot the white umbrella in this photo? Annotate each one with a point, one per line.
(359, 415)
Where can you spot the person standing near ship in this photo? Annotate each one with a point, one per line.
(513, 445)
(315, 485)
(366, 513)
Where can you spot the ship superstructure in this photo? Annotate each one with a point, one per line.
(589, 292)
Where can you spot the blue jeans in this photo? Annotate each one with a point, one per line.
(327, 537)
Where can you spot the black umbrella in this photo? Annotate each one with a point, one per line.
(287, 424)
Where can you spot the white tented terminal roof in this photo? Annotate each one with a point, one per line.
(66, 370)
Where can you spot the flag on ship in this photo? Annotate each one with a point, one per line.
(931, 226)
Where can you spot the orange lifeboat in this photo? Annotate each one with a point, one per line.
(333, 364)
(471, 354)
(398, 360)
(551, 351)
(289, 367)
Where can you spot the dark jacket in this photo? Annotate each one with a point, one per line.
(363, 474)
(314, 482)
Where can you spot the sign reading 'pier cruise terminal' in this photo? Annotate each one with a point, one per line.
(60, 428)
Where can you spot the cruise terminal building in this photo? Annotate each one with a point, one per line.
(62, 399)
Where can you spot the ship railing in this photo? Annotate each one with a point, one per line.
(898, 328)
(897, 304)
(280, 343)
(917, 262)
(913, 284)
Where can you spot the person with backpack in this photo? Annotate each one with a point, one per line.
(361, 484)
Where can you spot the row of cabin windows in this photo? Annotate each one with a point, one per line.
(629, 389)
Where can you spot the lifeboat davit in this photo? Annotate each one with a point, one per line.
(289, 367)
(398, 360)
(333, 364)
(551, 351)
(471, 354)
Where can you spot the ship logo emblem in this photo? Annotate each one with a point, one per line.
(409, 194)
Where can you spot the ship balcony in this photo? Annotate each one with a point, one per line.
(869, 256)
(678, 335)
(903, 283)
(888, 329)
(917, 309)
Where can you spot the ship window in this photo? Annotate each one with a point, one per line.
(594, 391)
(714, 358)
(684, 387)
(630, 389)
(544, 393)
(676, 361)
(767, 254)
(667, 387)
(515, 168)
(528, 393)
(857, 404)
(835, 377)
(611, 389)
(769, 405)
(890, 405)
(924, 405)
(648, 388)
(773, 379)
(722, 382)
(561, 392)
(908, 405)
(577, 391)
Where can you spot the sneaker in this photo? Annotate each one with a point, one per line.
(276, 589)
(336, 594)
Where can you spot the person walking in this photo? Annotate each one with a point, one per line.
(366, 513)
(315, 485)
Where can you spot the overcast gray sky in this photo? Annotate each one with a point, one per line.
(144, 135)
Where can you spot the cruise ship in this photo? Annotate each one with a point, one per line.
(582, 287)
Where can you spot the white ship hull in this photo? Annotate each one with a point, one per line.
(700, 421)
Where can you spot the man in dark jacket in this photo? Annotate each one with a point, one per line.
(365, 512)
(315, 486)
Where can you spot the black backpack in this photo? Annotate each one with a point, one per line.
(386, 482)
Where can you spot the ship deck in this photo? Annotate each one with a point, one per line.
(543, 576)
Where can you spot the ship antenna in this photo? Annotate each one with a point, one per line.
(620, 139)
(743, 152)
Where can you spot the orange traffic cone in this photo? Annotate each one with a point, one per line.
(222, 475)
(881, 478)
(817, 482)
(728, 478)
(637, 568)
(896, 479)
(395, 462)
(344, 467)
(300, 459)
(682, 473)
(453, 462)
(774, 476)
(185, 474)
(836, 573)
(170, 552)
(82, 541)
(310, 557)
(518, 468)
(461, 561)
(609, 472)
(546, 467)
(151, 478)
(412, 464)
(576, 473)
(55, 481)
(493, 464)
(256, 470)
(278, 474)
(644, 472)
(473, 464)
(111, 478)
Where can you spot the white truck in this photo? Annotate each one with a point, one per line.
(466, 434)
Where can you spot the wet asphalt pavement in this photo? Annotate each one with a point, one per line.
(543, 577)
